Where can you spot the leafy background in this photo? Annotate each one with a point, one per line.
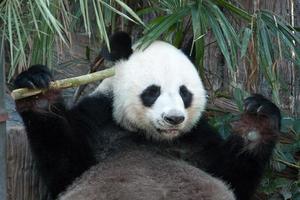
(239, 48)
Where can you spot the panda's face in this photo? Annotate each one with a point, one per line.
(158, 92)
(166, 108)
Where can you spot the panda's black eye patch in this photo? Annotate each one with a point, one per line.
(186, 96)
(150, 94)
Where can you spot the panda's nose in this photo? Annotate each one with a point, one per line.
(174, 119)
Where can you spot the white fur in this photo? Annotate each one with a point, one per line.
(105, 87)
(166, 66)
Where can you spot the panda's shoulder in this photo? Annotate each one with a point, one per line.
(202, 132)
(92, 108)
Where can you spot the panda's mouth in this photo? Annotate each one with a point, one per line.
(169, 131)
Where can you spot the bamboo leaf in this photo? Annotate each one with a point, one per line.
(220, 39)
(199, 30)
(100, 22)
(85, 14)
(149, 10)
(158, 29)
(130, 11)
(265, 43)
(50, 19)
(118, 12)
(34, 18)
(238, 11)
(229, 34)
(17, 25)
(10, 34)
(245, 41)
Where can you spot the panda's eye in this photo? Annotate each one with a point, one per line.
(186, 96)
(150, 94)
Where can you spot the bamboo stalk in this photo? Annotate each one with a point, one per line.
(64, 83)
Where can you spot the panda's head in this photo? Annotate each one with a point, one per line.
(157, 91)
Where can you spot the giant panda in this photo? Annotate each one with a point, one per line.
(141, 133)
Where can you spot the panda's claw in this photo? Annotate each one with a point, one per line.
(252, 103)
(250, 106)
(257, 104)
(37, 76)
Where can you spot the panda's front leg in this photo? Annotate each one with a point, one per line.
(60, 153)
(246, 152)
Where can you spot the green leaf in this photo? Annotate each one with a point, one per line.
(296, 126)
(130, 11)
(149, 10)
(265, 50)
(247, 33)
(85, 14)
(224, 33)
(158, 29)
(220, 40)
(238, 11)
(287, 124)
(50, 19)
(199, 23)
(118, 12)
(239, 96)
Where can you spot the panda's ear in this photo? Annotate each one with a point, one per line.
(120, 47)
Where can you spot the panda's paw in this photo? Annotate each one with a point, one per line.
(260, 122)
(259, 106)
(37, 76)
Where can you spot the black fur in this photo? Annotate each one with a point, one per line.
(149, 95)
(37, 76)
(186, 96)
(120, 47)
(67, 142)
(258, 104)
